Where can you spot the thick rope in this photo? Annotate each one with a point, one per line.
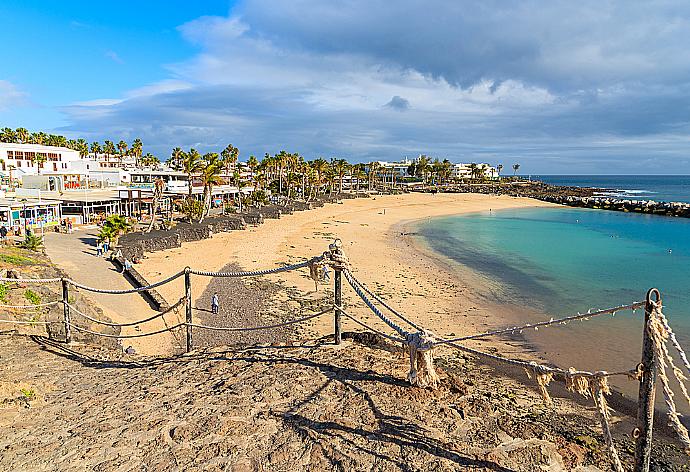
(552, 321)
(256, 328)
(31, 281)
(600, 387)
(133, 323)
(674, 341)
(131, 290)
(659, 336)
(382, 302)
(256, 273)
(38, 305)
(358, 290)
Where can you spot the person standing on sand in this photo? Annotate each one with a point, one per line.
(325, 273)
(214, 303)
(69, 227)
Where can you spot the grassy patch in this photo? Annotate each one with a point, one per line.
(16, 259)
(33, 297)
(4, 290)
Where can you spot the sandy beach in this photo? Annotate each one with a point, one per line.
(377, 237)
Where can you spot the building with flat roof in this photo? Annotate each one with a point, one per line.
(18, 214)
(18, 160)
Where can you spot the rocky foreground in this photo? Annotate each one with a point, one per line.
(283, 408)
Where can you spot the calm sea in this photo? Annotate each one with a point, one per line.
(561, 261)
(665, 188)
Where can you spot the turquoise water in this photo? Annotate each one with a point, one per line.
(565, 260)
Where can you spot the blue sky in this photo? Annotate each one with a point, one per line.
(560, 87)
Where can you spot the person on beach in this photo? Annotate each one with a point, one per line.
(99, 249)
(325, 273)
(214, 303)
(69, 227)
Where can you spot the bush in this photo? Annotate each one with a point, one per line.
(4, 290)
(193, 208)
(32, 242)
(33, 297)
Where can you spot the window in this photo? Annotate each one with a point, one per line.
(19, 163)
(10, 154)
(18, 155)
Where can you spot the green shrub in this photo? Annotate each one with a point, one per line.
(32, 242)
(4, 290)
(32, 296)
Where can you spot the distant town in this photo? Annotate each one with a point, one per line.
(48, 180)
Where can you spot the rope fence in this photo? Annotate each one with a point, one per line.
(422, 342)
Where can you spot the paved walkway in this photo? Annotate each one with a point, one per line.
(76, 254)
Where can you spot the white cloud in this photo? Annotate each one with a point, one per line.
(11, 96)
(477, 77)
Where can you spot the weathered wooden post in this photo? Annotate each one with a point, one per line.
(335, 249)
(188, 306)
(65, 311)
(338, 289)
(645, 404)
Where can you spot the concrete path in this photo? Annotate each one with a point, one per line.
(76, 254)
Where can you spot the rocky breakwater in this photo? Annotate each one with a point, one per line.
(678, 209)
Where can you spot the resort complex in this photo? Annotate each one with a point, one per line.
(83, 184)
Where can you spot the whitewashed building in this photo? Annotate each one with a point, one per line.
(18, 160)
(464, 171)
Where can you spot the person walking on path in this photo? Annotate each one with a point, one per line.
(69, 227)
(106, 245)
(326, 275)
(214, 303)
(99, 248)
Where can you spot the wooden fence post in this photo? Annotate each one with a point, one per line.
(338, 291)
(65, 311)
(188, 306)
(645, 403)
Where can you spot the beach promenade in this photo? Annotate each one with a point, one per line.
(76, 254)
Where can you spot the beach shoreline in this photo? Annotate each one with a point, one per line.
(383, 255)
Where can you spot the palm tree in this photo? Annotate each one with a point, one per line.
(159, 185)
(114, 227)
(8, 135)
(149, 160)
(252, 162)
(229, 155)
(473, 170)
(320, 166)
(83, 147)
(360, 175)
(122, 148)
(137, 150)
(210, 176)
(176, 158)
(423, 167)
(516, 167)
(191, 164)
(108, 149)
(40, 159)
(341, 167)
(22, 135)
(373, 171)
(95, 149)
(499, 168)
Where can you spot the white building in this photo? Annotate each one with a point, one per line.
(398, 168)
(464, 171)
(18, 160)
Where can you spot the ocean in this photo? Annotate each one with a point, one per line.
(561, 261)
(665, 188)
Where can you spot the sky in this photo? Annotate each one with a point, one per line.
(560, 87)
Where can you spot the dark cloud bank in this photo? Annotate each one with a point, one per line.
(571, 87)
